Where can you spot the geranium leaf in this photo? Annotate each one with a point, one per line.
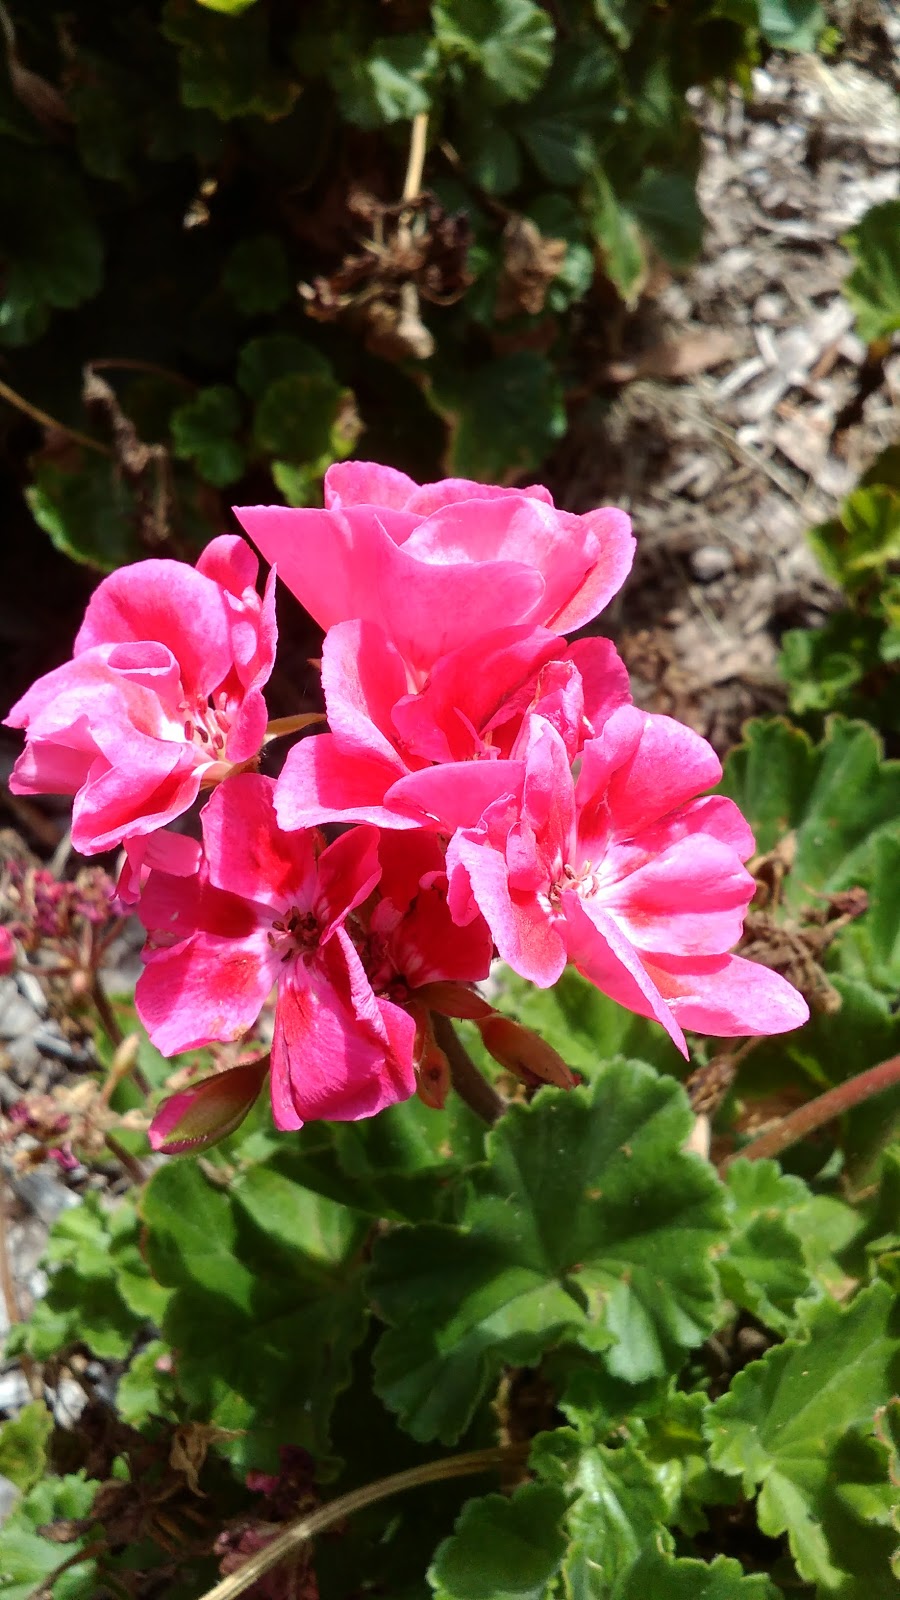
(786, 1427)
(23, 1445)
(509, 1549)
(873, 287)
(390, 84)
(203, 432)
(28, 1560)
(267, 1306)
(503, 418)
(509, 41)
(610, 1245)
(763, 1267)
(618, 1507)
(257, 275)
(661, 1576)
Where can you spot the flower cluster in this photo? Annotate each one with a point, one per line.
(497, 790)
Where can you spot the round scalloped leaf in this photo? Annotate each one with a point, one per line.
(507, 1548)
(588, 1221)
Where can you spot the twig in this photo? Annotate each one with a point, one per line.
(807, 1118)
(46, 421)
(305, 1528)
(131, 1163)
(479, 1095)
(132, 364)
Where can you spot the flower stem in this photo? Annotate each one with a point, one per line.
(305, 1528)
(807, 1118)
(479, 1095)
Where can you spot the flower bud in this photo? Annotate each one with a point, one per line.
(208, 1111)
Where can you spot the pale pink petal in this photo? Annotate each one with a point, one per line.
(248, 728)
(603, 955)
(323, 782)
(671, 764)
(48, 767)
(152, 786)
(548, 803)
(246, 851)
(206, 990)
(727, 996)
(164, 851)
(688, 900)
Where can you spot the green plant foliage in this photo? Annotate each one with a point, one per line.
(764, 1268)
(873, 287)
(509, 1549)
(267, 1305)
(257, 275)
(791, 24)
(28, 1559)
(504, 422)
(101, 1293)
(798, 1426)
(667, 1578)
(23, 1445)
(390, 84)
(546, 1248)
(510, 42)
(203, 432)
(88, 510)
(617, 1509)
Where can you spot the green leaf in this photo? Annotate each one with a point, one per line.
(618, 236)
(277, 355)
(297, 415)
(858, 547)
(27, 1560)
(52, 248)
(203, 432)
(509, 1549)
(610, 1247)
(838, 797)
(665, 206)
(509, 41)
(88, 511)
(657, 1575)
(586, 1027)
(791, 24)
(225, 62)
(23, 1445)
(100, 1292)
(840, 667)
(390, 84)
(503, 417)
(257, 275)
(229, 8)
(873, 287)
(147, 1389)
(786, 1426)
(763, 1267)
(576, 103)
(267, 1305)
(619, 1507)
(672, 1441)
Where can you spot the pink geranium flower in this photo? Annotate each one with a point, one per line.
(438, 755)
(439, 566)
(162, 698)
(270, 908)
(626, 874)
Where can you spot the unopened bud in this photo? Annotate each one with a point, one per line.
(198, 1117)
(523, 1052)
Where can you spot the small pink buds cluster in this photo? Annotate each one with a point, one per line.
(497, 790)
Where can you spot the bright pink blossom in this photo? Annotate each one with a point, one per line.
(162, 698)
(270, 908)
(439, 755)
(626, 874)
(7, 952)
(440, 566)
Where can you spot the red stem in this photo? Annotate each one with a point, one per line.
(819, 1111)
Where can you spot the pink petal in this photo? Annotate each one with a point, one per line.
(147, 786)
(454, 795)
(323, 782)
(363, 677)
(229, 561)
(728, 996)
(613, 547)
(246, 851)
(688, 900)
(449, 491)
(171, 853)
(526, 935)
(605, 679)
(206, 990)
(367, 483)
(171, 604)
(671, 764)
(603, 955)
(348, 871)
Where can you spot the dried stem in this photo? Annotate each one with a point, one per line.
(807, 1118)
(131, 1163)
(415, 164)
(298, 1533)
(479, 1095)
(46, 421)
